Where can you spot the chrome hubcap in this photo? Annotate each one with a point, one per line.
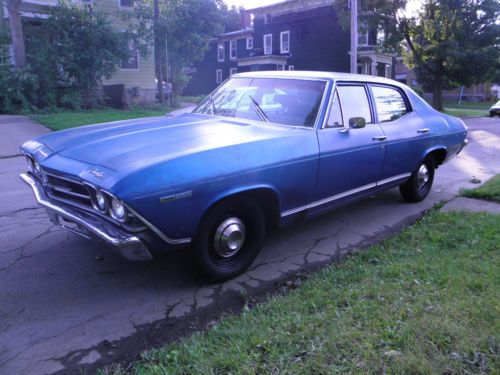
(229, 237)
(422, 176)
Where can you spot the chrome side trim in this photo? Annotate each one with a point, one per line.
(170, 241)
(394, 178)
(130, 247)
(344, 194)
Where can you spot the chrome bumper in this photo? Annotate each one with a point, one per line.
(464, 143)
(89, 226)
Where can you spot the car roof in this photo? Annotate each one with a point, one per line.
(303, 74)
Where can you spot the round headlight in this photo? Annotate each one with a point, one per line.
(100, 201)
(117, 209)
(36, 167)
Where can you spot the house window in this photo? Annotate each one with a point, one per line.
(232, 50)
(291, 67)
(268, 19)
(280, 67)
(268, 44)
(220, 52)
(249, 43)
(131, 61)
(363, 34)
(285, 42)
(233, 71)
(218, 76)
(126, 3)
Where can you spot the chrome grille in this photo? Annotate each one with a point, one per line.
(66, 189)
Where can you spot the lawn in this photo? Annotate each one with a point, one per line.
(489, 191)
(424, 301)
(70, 119)
(467, 109)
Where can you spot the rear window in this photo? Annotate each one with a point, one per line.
(389, 102)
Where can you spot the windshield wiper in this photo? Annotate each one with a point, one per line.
(212, 104)
(259, 110)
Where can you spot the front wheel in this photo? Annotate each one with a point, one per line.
(420, 183)
(229, 239)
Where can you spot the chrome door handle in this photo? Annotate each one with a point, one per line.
(379, 138)
(423, 130)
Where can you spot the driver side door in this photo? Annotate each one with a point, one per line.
(351, 158)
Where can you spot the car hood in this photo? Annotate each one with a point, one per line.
(133, 144)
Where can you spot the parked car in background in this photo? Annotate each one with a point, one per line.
(264, 150)
(495, 109)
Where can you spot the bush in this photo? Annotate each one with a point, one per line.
(16, 85)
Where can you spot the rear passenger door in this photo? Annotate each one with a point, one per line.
(407, 135)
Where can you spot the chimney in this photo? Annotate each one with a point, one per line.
(246, 19)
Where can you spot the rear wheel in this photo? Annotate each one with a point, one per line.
(420, 182)
(229, 239)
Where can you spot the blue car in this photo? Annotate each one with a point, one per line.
(264, 150)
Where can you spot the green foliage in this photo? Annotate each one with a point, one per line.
(80, 48)
(185, 26)
(68, 54)
(425, 301)
(16, 85)
(453, 42)
(448, 42)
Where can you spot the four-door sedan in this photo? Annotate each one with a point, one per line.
(263, 150)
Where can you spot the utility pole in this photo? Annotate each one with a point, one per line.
(157, 50)
(354, 36)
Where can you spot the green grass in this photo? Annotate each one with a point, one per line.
(425, 301)
(489, 191)
(467, 109)
(70, 119)
(191, 99)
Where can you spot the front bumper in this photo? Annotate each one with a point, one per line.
(89, 226)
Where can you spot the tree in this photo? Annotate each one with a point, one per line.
(448, 42)
(77, 46)
(451, 43)
(182, 33)
(16, 32)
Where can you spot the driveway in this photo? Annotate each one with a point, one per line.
(68, 303)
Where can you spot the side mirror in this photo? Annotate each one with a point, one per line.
(357, 122)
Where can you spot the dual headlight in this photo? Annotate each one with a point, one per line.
(105, 202)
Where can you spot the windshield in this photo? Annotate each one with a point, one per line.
(277, 100)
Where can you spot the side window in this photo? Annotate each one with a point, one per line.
(335, 116)
(389, 102)
(354, 103)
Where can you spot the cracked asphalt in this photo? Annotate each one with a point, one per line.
(68, 304)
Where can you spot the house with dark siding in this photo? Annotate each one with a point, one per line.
(291, 35)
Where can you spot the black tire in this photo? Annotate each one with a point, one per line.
(415, 189)
(204, 255)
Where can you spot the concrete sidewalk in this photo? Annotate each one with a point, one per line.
(471, 205)
(14, 131)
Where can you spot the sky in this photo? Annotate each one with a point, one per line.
(413, 5)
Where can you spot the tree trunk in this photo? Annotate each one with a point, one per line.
(437, 92)
(16, 32)
(158, 58)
